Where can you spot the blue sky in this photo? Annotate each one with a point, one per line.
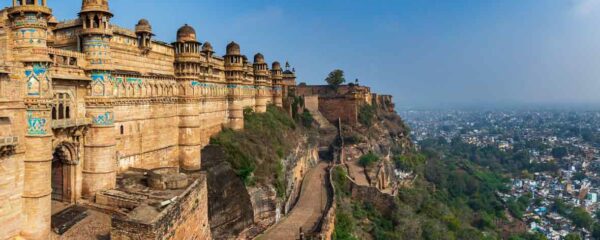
(425, 53)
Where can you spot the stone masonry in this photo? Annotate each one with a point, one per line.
(83, 101)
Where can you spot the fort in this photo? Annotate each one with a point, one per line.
(90, 111)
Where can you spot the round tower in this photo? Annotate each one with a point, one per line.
(277, 78)
(99, 165)
(262, 82)
(234, 75)
(208, 51)
(187, 55)
(188, 72)
(28, 22)
(95, 36)
(143, 30)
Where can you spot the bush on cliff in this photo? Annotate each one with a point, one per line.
(368, 159)
(366, 114)
(256, 152)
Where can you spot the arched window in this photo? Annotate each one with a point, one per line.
(96, 22)
(61, 108)
(61, 111)
(54, 113)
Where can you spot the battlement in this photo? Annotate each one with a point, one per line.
(343, 102)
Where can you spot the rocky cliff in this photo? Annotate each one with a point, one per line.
(255, 175)
(385, 136)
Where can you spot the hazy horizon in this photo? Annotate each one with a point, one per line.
(425, 53)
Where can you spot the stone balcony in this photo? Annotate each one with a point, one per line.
(8, 145)
(69, 123)
(9, 141)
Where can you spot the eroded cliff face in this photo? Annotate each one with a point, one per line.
(388, 136)
(229, 206)
(237, 211)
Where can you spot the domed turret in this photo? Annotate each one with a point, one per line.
(143, 30)
(233, 48)
(207, 47)
(259, 58)
(95, 6)
(261, 69)
(95, 37)
(52, 21)
(186, 33)
(276, 66)
(143, 26)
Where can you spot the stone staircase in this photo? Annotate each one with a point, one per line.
(327, 133)
(324, 124)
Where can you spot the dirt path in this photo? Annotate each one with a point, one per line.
(307, 211)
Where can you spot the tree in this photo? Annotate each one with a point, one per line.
(596, 231)
(335, 78)
(366, 114)
(572, 236)
(581, 218)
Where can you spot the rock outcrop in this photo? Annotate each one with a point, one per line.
(229, 205)
(238, 211)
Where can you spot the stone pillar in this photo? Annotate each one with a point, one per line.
(190, 141)
(99, 163)
(29, 27)
(37, 166)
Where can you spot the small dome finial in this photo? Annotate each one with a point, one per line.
(259, 58)
(233, 48)
(186, 33)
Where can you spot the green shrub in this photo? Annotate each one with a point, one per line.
(256, 152)
(368, 159)
(306, 119)
(409, 162)
(344, 226)
(366, 115)
(340, 181)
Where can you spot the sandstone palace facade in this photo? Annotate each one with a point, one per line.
(84, 100)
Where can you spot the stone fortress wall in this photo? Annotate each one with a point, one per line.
(83, 100)
(343, 102)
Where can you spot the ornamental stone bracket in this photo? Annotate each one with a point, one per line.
(8, 145)
(72, 127)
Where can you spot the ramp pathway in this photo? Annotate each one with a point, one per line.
(357, 172)
(308, 210)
